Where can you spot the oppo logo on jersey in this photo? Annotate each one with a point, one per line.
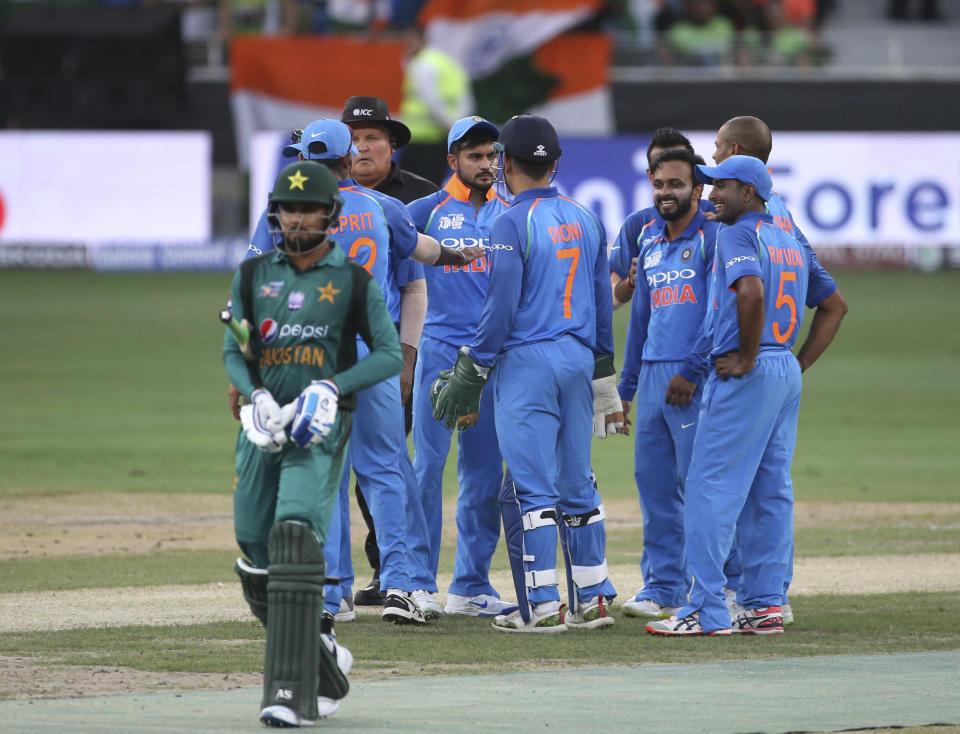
(270, 330)
(457, 243)
(740, 260)
(668, 276)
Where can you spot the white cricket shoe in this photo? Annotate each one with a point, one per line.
(647, 608)
(329, 706)
(677, 626)
(347, 612)
(281, 716)
(545, 618)
(428, 605)
(481, 605)
(590, 615)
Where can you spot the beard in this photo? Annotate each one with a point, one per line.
(681, 210)
(302, 244)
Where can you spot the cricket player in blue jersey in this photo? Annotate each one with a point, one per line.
(545, 335)
(375, 230)
(672, 278)
(460, 214)
(634, 231)
(738, 482)
(750, 136)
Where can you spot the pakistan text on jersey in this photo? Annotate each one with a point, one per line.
(300, 354)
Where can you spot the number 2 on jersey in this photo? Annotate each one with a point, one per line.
(572, 254)
(371, 256)
(785, 299)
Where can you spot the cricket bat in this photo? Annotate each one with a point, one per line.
(240, 331)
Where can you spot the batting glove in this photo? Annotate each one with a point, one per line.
(260, 436)
(316, 411)
(455, 394)
(266, 412)
(607, 408)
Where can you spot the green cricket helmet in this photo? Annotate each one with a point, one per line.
(304, 182)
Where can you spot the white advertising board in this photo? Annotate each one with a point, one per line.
(95, 187)
(866, 189)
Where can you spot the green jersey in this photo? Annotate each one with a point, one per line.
(305, 326)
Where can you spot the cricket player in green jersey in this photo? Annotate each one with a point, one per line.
(305, 304)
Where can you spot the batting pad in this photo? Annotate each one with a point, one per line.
(295, 602)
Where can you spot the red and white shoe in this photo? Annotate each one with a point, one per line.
(762, 621)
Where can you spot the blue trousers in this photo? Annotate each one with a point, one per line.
(740, 471)
(664, 444)
(379, 457)
(479, 474)
(543, 396)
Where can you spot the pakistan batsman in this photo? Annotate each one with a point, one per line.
(306, 304)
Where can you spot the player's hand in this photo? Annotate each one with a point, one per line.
(315, 413)
(632, 275)
(455, 394)
(607, 406)
(235, 400)
(680, 391)
(265, 437)
(470, 254)
(625, 429)
(266, 412)
(406, 375)
(730, 365)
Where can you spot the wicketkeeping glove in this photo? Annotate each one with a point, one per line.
(606, 399)
(263, 421)
(315, 413)
(455, 394)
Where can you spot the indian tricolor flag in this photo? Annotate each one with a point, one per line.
(520, 54)
(522, 58)
(281, 83)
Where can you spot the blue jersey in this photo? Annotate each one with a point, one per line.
(455, 295)
(670, 300)
(821, 283)
(637, 229)
(374, 230)
(754, 245)
(549, 277)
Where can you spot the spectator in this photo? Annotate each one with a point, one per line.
(700, 37)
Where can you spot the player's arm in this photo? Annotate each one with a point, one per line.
(823, 328)
(750, 311)
(503, 293)
(622, 255)
(737, 255)
(607, 407)
(633, 349)
(238, 369)
(413, 312)
(376, 328)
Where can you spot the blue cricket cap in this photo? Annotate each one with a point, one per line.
(323, 140)
(530, 138)
(743, 168)
(465, 124)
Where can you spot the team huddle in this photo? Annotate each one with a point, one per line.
(495, 318)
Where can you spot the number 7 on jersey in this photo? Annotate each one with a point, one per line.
(572, 254)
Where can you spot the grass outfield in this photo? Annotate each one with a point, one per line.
(114, 383)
